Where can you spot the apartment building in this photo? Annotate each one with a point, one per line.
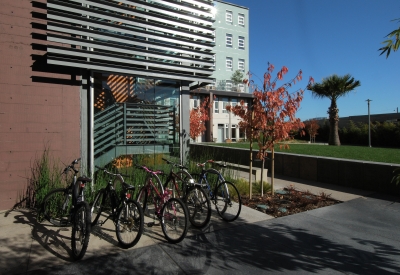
(99, 80)
(231, 54)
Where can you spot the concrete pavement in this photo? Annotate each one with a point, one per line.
(358, 236)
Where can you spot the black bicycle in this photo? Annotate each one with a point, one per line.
(183, 186)
(222, 193)
(127, 214)
(66, 207)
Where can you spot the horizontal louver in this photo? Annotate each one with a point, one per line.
(160, 38)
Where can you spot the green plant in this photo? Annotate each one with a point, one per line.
(45, 176)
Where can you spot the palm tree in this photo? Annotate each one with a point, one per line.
(334, 87)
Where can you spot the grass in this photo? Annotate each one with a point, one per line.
(386, 155)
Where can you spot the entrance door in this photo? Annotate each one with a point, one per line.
(220, 133)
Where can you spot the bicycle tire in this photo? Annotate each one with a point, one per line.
(56, 207)
(227, 201)
(80, 230)
(183, 179)
(130, 224)
(142, 200)
(97, 206)
(174, 220)
(199, 206)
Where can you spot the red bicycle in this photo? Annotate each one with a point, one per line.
(158, 204)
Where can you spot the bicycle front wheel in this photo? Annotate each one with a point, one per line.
(174, 220)
(80, 230)
(96, 207)
(56, 207)
(227, 201)
(129, 227)
(199, 206)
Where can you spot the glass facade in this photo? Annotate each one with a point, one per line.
(135, 116)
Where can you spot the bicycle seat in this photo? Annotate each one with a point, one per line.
(84, 179)
(128, 186)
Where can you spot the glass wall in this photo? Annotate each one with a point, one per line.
(135, 117)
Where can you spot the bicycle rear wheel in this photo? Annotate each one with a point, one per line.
(80, 230)
(97, 206)
(56, 207)
(227, 201)
(129, 226)
(199, 206)
(174, 220)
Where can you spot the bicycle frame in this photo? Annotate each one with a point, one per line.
(150, 186)
(117, 203)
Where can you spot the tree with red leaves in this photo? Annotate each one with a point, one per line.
(311, 127)
(198, 118)
(271, 117)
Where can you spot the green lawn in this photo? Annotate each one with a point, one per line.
(387, 155)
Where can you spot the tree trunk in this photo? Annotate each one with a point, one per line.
(251, 156)
(262, 176)
(272, 170)
(334, 124)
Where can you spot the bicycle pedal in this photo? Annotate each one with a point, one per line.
(150, 224)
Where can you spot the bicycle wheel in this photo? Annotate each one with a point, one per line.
(80, 230)
(142, 200)
(227, 201)
(129, 226)
(199, 206)
(56, 207)
(183, 179)
(97, 206)
(174, 220)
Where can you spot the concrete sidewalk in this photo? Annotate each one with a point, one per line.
(359, 236)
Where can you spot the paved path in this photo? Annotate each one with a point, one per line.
(358, 236)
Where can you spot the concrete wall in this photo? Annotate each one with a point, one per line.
(39, 103)
(357, 174)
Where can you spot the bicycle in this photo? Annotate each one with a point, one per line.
(66, 207)
(222, 193)
(184, 186)
(171, 212)
(126, 213)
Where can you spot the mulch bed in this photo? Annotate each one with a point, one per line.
(287, 202)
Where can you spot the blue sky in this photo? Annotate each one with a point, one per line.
(322, 38)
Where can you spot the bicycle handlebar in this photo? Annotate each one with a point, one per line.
(175, 164)
(210, 161)
(148, 170)
(72, 166)
(108, 172)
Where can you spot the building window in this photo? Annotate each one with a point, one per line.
(195, 102)
(216, 105)
(229, 40)
(241, 65)
(225, 102)
(228, 17)
(241, 19)
(241, 42)
(233, 102)
(228, 85)
(229, 65)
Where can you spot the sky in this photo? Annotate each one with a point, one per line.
(322, 38)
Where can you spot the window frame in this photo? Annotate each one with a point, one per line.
(229, 40)
(228, 16)
(229, 60)
(241, 40)
(241, 64)
(241, 19)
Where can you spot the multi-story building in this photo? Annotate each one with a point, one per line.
(231, 45)
(231, 54)
(97, 79)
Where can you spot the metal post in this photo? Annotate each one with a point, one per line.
(369, 125)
